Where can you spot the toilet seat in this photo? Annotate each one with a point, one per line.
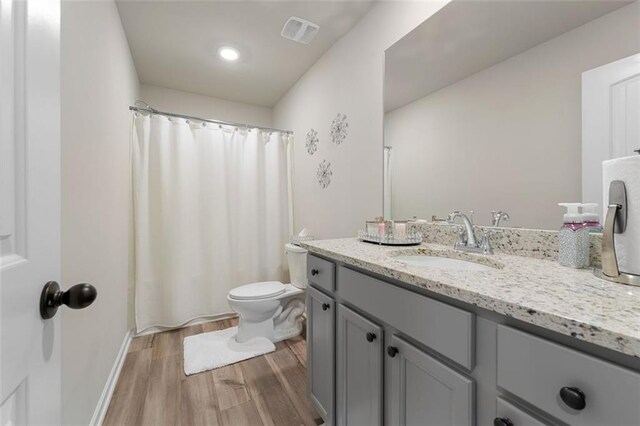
(258, 291)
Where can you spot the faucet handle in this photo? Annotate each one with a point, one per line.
(485, 245)
(453, 215)
(462, 238)
(499, 215)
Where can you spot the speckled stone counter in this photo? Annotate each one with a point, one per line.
(540, 292)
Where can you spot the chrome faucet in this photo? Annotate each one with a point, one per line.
(467, 240)
(497, 216)
(470, 239)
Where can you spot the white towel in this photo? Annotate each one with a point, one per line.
(216, 349)
(626, 169)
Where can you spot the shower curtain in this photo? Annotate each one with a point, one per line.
(386, 184)
(211, 212)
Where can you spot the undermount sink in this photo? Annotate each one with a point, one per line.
(449, 260)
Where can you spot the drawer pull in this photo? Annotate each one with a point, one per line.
(502, 421)
(392, 351)
(314, 272)
(325, 306)
(371, 337)
(573, 397)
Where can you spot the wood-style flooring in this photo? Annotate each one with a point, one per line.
(266, 390)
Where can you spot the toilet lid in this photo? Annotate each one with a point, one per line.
(261, 290)
(292, 248)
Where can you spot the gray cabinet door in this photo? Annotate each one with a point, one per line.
(425, 392)
(321, 352)
(359, 384)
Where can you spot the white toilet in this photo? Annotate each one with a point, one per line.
(272, 309)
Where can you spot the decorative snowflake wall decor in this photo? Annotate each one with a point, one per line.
(339, 129)
(312, 141)
(324, 174)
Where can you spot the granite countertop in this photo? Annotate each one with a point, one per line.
(540, 292)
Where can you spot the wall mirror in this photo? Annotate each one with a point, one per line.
(484, 106)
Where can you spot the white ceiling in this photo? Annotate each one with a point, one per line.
(174, 43)
(466, 37)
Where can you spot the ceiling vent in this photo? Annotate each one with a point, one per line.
(299, 30)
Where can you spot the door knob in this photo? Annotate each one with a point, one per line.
(325, 306)
(371, 337)
(314, 272)
(77, 297)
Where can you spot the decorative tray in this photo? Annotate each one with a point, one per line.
(409, 239)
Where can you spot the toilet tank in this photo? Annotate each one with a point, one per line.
(297, 258)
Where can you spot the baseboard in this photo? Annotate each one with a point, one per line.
(110, 385)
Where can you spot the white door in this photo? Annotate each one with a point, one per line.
(610, 119)
(29, 209)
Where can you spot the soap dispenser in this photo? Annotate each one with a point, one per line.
(591, 217)
(573, 238)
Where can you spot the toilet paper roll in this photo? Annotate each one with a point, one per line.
(626, 169)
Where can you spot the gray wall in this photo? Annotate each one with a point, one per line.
(347, 79)
(171, 100)
(99, 82)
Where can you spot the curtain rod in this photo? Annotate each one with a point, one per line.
(206, 120)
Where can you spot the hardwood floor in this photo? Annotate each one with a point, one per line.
(266, 390)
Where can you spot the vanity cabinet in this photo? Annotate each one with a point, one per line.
(424, 391)
(321, 352)
(359, 384)
(381, 353)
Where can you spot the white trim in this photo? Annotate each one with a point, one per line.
(110, 385)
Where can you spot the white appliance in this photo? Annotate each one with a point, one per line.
(272, 309)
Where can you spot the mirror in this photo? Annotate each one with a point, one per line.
(484, 103)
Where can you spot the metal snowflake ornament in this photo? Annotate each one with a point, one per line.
(312, 141)
(324, 174)
(339, 129)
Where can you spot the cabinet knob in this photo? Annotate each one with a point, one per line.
(314, 272)
(502, 421)
(325, 306)
(573, 397)
(371, 337)
(392, 351)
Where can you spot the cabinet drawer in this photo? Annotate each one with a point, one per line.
(321, 273)
(443, 328)
(536, 370)
(510, 413)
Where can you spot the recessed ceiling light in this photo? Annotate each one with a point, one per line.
(228, 53)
